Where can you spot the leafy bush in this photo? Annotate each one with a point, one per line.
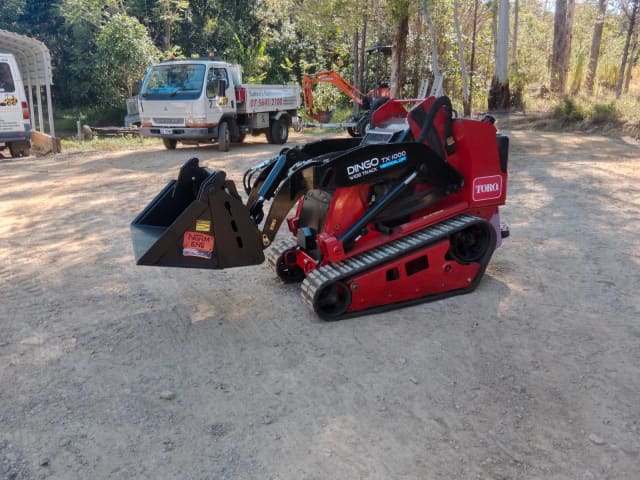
(568, 110)
(517, 85)
(605, 113)
(327, 97)
(124, 52)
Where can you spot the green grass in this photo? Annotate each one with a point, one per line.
(605, 113)
(72, 145)
(602, 112)
(66, 119)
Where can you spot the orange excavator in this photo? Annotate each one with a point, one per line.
(360, 122)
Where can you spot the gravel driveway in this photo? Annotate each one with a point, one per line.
(113, 371)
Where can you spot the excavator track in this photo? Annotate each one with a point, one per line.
(338, 274)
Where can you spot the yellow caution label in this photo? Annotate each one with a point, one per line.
(203, 226)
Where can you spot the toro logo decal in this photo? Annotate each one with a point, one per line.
(487, 188)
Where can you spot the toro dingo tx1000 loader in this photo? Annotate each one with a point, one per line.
(407, 214)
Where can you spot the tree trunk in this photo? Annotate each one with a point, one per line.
(362, 81)
(632, 62)
(625, 52)
(435, 59)
(356, 67)
(499, 92)
(562, 34)
(463, 65)
(166, 38)
(493, 6)
(472, 66)
(596, 40)
(398, 56)
(514, 40)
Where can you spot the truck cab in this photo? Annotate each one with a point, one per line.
(15, 127)
(203, 101)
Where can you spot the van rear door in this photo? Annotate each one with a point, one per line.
(15, 128)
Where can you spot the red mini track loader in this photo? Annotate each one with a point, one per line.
(407, 214)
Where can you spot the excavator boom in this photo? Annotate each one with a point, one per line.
(332, 77)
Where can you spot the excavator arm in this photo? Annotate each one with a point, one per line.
(334, 78)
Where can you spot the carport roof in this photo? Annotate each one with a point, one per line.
(32, 56)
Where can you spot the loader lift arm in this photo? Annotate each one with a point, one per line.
(202, 221)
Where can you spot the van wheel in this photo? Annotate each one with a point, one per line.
(170, 143)
(15, 151)
(279, 131)
(224, 137)
(19, 149)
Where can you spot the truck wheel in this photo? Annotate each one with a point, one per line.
(363, 125)
(353, 131)
(224, 138)
(170, 143)
(279, 131)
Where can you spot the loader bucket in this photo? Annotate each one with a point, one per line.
(196, 221)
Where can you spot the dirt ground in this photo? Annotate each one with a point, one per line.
(109, 370)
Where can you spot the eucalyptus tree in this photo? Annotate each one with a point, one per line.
(631, 12)
(596, 41)
(463, 64)
(427, 8)
(399, 16)
(499, 92)
(562, 35)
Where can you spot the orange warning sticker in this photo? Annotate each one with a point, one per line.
(195, 244)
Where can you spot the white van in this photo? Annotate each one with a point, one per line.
(15, 127)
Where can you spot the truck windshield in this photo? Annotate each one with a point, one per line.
(179, 81)
(6, 80)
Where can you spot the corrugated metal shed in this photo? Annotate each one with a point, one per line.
(34, 62)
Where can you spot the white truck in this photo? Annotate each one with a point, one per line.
(203, 101)
(15, 126)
